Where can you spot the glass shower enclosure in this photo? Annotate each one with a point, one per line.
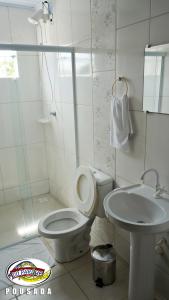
(33, 80)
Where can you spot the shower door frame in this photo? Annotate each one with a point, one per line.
(60, 49)
(54, 49)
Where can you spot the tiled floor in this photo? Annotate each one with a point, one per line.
(73, 281)
(69, 281)
(23, 214)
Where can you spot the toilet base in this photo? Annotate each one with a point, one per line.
(70, 248)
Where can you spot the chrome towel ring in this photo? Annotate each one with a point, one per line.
(118, 80)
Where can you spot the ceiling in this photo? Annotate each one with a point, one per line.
(25, 3)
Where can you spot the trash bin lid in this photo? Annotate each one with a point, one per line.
(103, 253)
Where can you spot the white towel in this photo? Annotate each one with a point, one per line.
(120, 123)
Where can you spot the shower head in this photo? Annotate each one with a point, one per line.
(36, 17)
(44, 14)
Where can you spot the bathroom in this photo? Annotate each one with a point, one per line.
(55, 100)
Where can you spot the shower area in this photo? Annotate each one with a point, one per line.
(38, 154)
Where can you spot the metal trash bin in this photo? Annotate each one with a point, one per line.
(104, 265)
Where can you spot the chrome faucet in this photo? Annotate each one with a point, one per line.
(156, 174)
(159, 190)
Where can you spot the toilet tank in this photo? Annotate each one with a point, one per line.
(104, 185)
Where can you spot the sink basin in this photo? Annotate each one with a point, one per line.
(135, 209)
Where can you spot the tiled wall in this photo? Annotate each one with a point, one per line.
(23, 164)
(95, 71)
(60, 132)
(140, 23)
(114, 38)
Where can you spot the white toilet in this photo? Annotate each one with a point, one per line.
(70, 227)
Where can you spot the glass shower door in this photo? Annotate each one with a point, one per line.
(37, 136)
(19, 100)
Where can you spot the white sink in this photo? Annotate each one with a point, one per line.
(135, 209)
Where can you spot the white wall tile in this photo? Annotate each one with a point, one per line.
(22, 31)
(5, 34)
(54, 130)
(70, 167)
(121, 182)
(12, 162)
(139, 123)
(165, 87)
(165, 105)
(130, 165)
(1, 179)
(9, 90)
(103, 60)
(102, 94)
(103, 24)
(80, 13)
(61, 166)
(10, 131)
(130, 60)
(64, 172)
(69, 128)
(83, 78)
(66, 93)
(102, 88)
(51, 153)
(85, 134)
(157, 148)
(32, 130)
(40, 187)
(104, 157)
(102, 122)
(159, 7)
(85, 44)
(48, 74)
(157, 33)
(1, 197)
(36, 162)
(63, 17)
(65, 77)
(17, 193)
(132, 11)
(29, 78)
(101, 232)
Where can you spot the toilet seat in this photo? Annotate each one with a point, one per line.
(70, 219)
(85, 191)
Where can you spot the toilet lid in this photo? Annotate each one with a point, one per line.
(85, 191)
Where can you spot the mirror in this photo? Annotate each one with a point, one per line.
(156, 79)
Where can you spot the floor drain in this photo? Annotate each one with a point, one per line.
(141, 222)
